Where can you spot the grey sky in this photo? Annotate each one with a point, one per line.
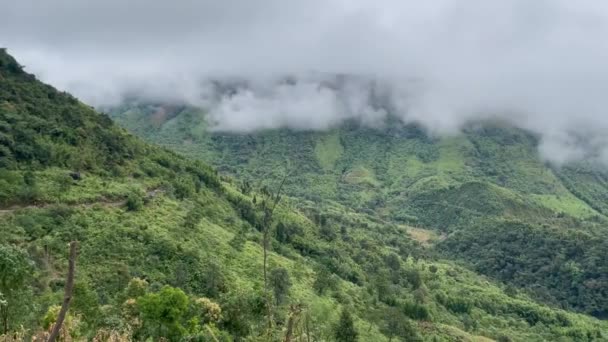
(541, 64)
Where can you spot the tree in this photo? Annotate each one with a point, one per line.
(15, 270)
(65, 182)
(269, 205)
(239, 239)
(345, 329)
(470, 324)
(397, 325)
(414, 278)
(208, 310)
(68, 292)
(137, 287)
(384, 288)
(214, 282)
(29, 192)
(285, 232)
(194, 216)
(416, 311)
(29, 178)
(71, 325)
(503, 338)
(293, 318)
(327, 232)
(420, 294)
(183, 187)
(246, 187)
(280, 282)
(163, 312)
(135, 201)
(393, 262)
(325, 280)
(86, 303)
(239, 310)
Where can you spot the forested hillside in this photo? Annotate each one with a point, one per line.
(170, 249)
(487, 192)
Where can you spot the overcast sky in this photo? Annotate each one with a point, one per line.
(539, 64)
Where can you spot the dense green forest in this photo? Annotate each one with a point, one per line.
(498, 207)
(359, 249)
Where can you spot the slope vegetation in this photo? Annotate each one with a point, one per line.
(169, 249)
(465, 187)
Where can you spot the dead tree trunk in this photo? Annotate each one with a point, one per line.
(294, 314)
(67, 297)
(269, 209)
(4, 313)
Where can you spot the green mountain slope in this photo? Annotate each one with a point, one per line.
(378, 169)
(170, 249)
(473, 185)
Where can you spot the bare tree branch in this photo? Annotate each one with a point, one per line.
(294, 313)
(69, 289)
(268, 212)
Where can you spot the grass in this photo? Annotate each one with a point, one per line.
(328, 150)
(361, 175)
(425, 236)
(451, 156)
(566, 203)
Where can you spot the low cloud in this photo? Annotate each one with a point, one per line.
(539, 65)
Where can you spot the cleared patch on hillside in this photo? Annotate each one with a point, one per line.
(424, 236)
(361, 175)
(452, 156)
(566, 203)
(328, 150)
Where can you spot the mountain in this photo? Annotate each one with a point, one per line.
(498, 207)
(378, 169)
(170, 248)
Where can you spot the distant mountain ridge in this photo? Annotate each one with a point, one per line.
(490, 174)
(372, 168)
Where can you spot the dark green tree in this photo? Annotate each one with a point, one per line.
(414, 278)
(86, 303)
(214, 282)
(194, 216)
(29, 191)
(183, 187)
(15, 270)
(163, 312)
(393, 262)
(416, 311)
(345, 329)
(285, 232)
(325, 281)
(503, 338)
(280, 283)
(399, 326)
(136, 288)
(327, 232)
(135, 201)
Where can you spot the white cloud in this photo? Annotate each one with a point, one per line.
(537, 64)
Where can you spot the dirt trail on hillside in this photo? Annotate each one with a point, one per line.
(108, 203)
(104, 202)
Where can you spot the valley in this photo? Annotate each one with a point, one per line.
(382, 235)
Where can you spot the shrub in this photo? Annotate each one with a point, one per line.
(135, 201)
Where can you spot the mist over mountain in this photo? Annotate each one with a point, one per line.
(537, 65)
(303, 171)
